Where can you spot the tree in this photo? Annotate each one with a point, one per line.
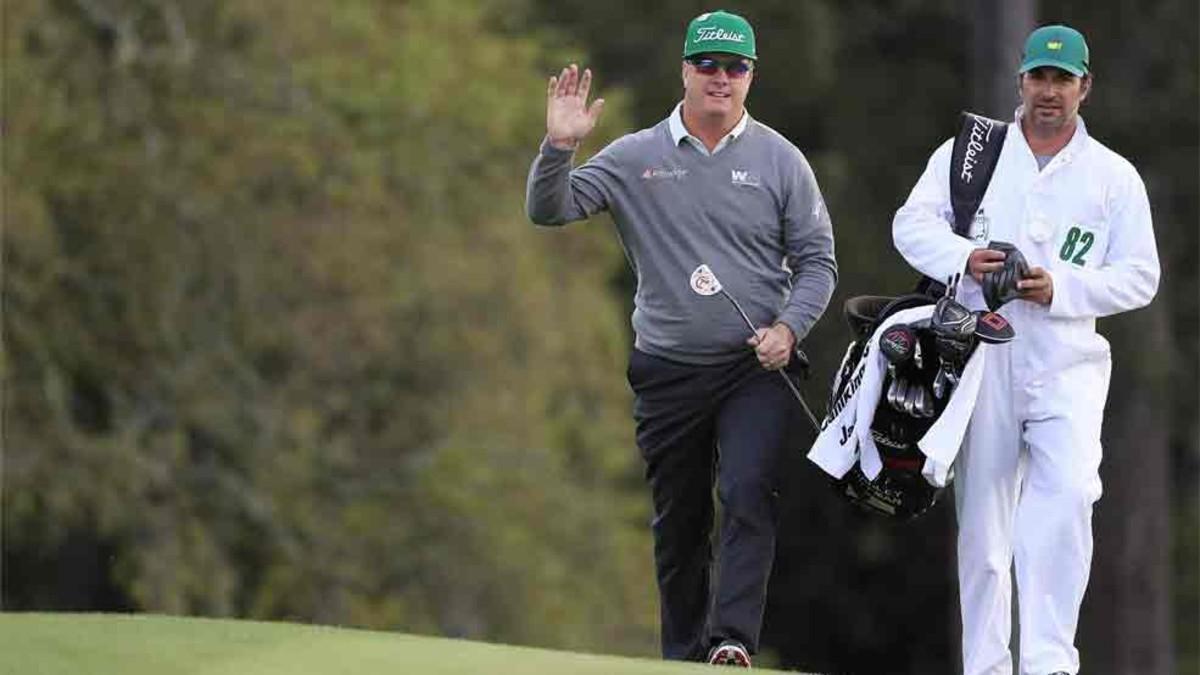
(279, 335)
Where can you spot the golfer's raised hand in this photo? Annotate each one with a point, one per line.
(568, 116)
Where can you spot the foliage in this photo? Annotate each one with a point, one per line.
(279, 342)
(281, 339)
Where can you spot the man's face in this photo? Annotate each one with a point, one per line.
(1051, 97)
(716, 84)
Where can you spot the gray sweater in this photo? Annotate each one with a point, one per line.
(752, 212)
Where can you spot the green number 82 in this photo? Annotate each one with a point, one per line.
(1077, 237)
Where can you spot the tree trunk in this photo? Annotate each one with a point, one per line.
(998, 32)
(1125, 628)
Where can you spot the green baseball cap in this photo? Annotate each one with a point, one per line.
(1057, 46)
(719, 31)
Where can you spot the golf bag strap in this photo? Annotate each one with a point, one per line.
(972, 162)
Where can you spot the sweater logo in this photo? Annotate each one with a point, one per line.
(663, 174)
(743, 177)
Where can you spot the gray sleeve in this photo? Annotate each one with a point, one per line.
(555, 194)
(808, 236)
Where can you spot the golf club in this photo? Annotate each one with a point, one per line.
(704, 282)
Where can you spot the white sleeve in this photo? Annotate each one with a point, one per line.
(923, 230)
(1128, 279)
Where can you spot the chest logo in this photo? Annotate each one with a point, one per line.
(743, 177)
(659, 173)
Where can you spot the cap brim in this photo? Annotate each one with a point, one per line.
(1053, 63)
(688, 55)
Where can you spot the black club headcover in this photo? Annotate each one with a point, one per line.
(954, 327)
(1001, 286)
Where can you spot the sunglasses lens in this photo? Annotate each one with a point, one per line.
(738, 69)
(709, 67)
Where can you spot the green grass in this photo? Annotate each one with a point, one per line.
(112, 644)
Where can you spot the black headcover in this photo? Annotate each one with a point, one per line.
(1001, 286)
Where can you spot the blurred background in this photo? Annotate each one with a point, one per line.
(279, 342)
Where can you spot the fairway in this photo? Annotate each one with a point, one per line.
(112, 644)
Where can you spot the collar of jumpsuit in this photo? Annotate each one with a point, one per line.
(679, 133)
(1041, 228)
(1073, 147)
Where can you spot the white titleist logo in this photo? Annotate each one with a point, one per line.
(981, 132)
(704, 34)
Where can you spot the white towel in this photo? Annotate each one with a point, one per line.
(942, 441)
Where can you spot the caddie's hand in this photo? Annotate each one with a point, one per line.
(984, 260)
(773, 346)
(568, 116)
(1037, 287)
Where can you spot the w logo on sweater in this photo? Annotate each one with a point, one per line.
(743, 177)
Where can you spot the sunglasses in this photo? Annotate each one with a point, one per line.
(735, 69)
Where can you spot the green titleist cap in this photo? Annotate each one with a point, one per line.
(1057, 46)
(719, 31)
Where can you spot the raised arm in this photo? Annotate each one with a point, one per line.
(554, 194)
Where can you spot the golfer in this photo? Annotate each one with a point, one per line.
(707, 185)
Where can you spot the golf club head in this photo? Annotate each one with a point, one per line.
(993, 328)
(912, 403)
(953, 349)
(704, 281)
(926, 403)
(952, 377)
(901, 394)
(952, 320)
(939, 383)
(910, 398)
(898, 343)
(893, 389)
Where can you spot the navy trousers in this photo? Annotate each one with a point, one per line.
(726, 424)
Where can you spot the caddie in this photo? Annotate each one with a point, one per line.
(1028, 474)
(708, 185)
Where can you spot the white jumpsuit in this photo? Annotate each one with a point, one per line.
(1028, 473)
